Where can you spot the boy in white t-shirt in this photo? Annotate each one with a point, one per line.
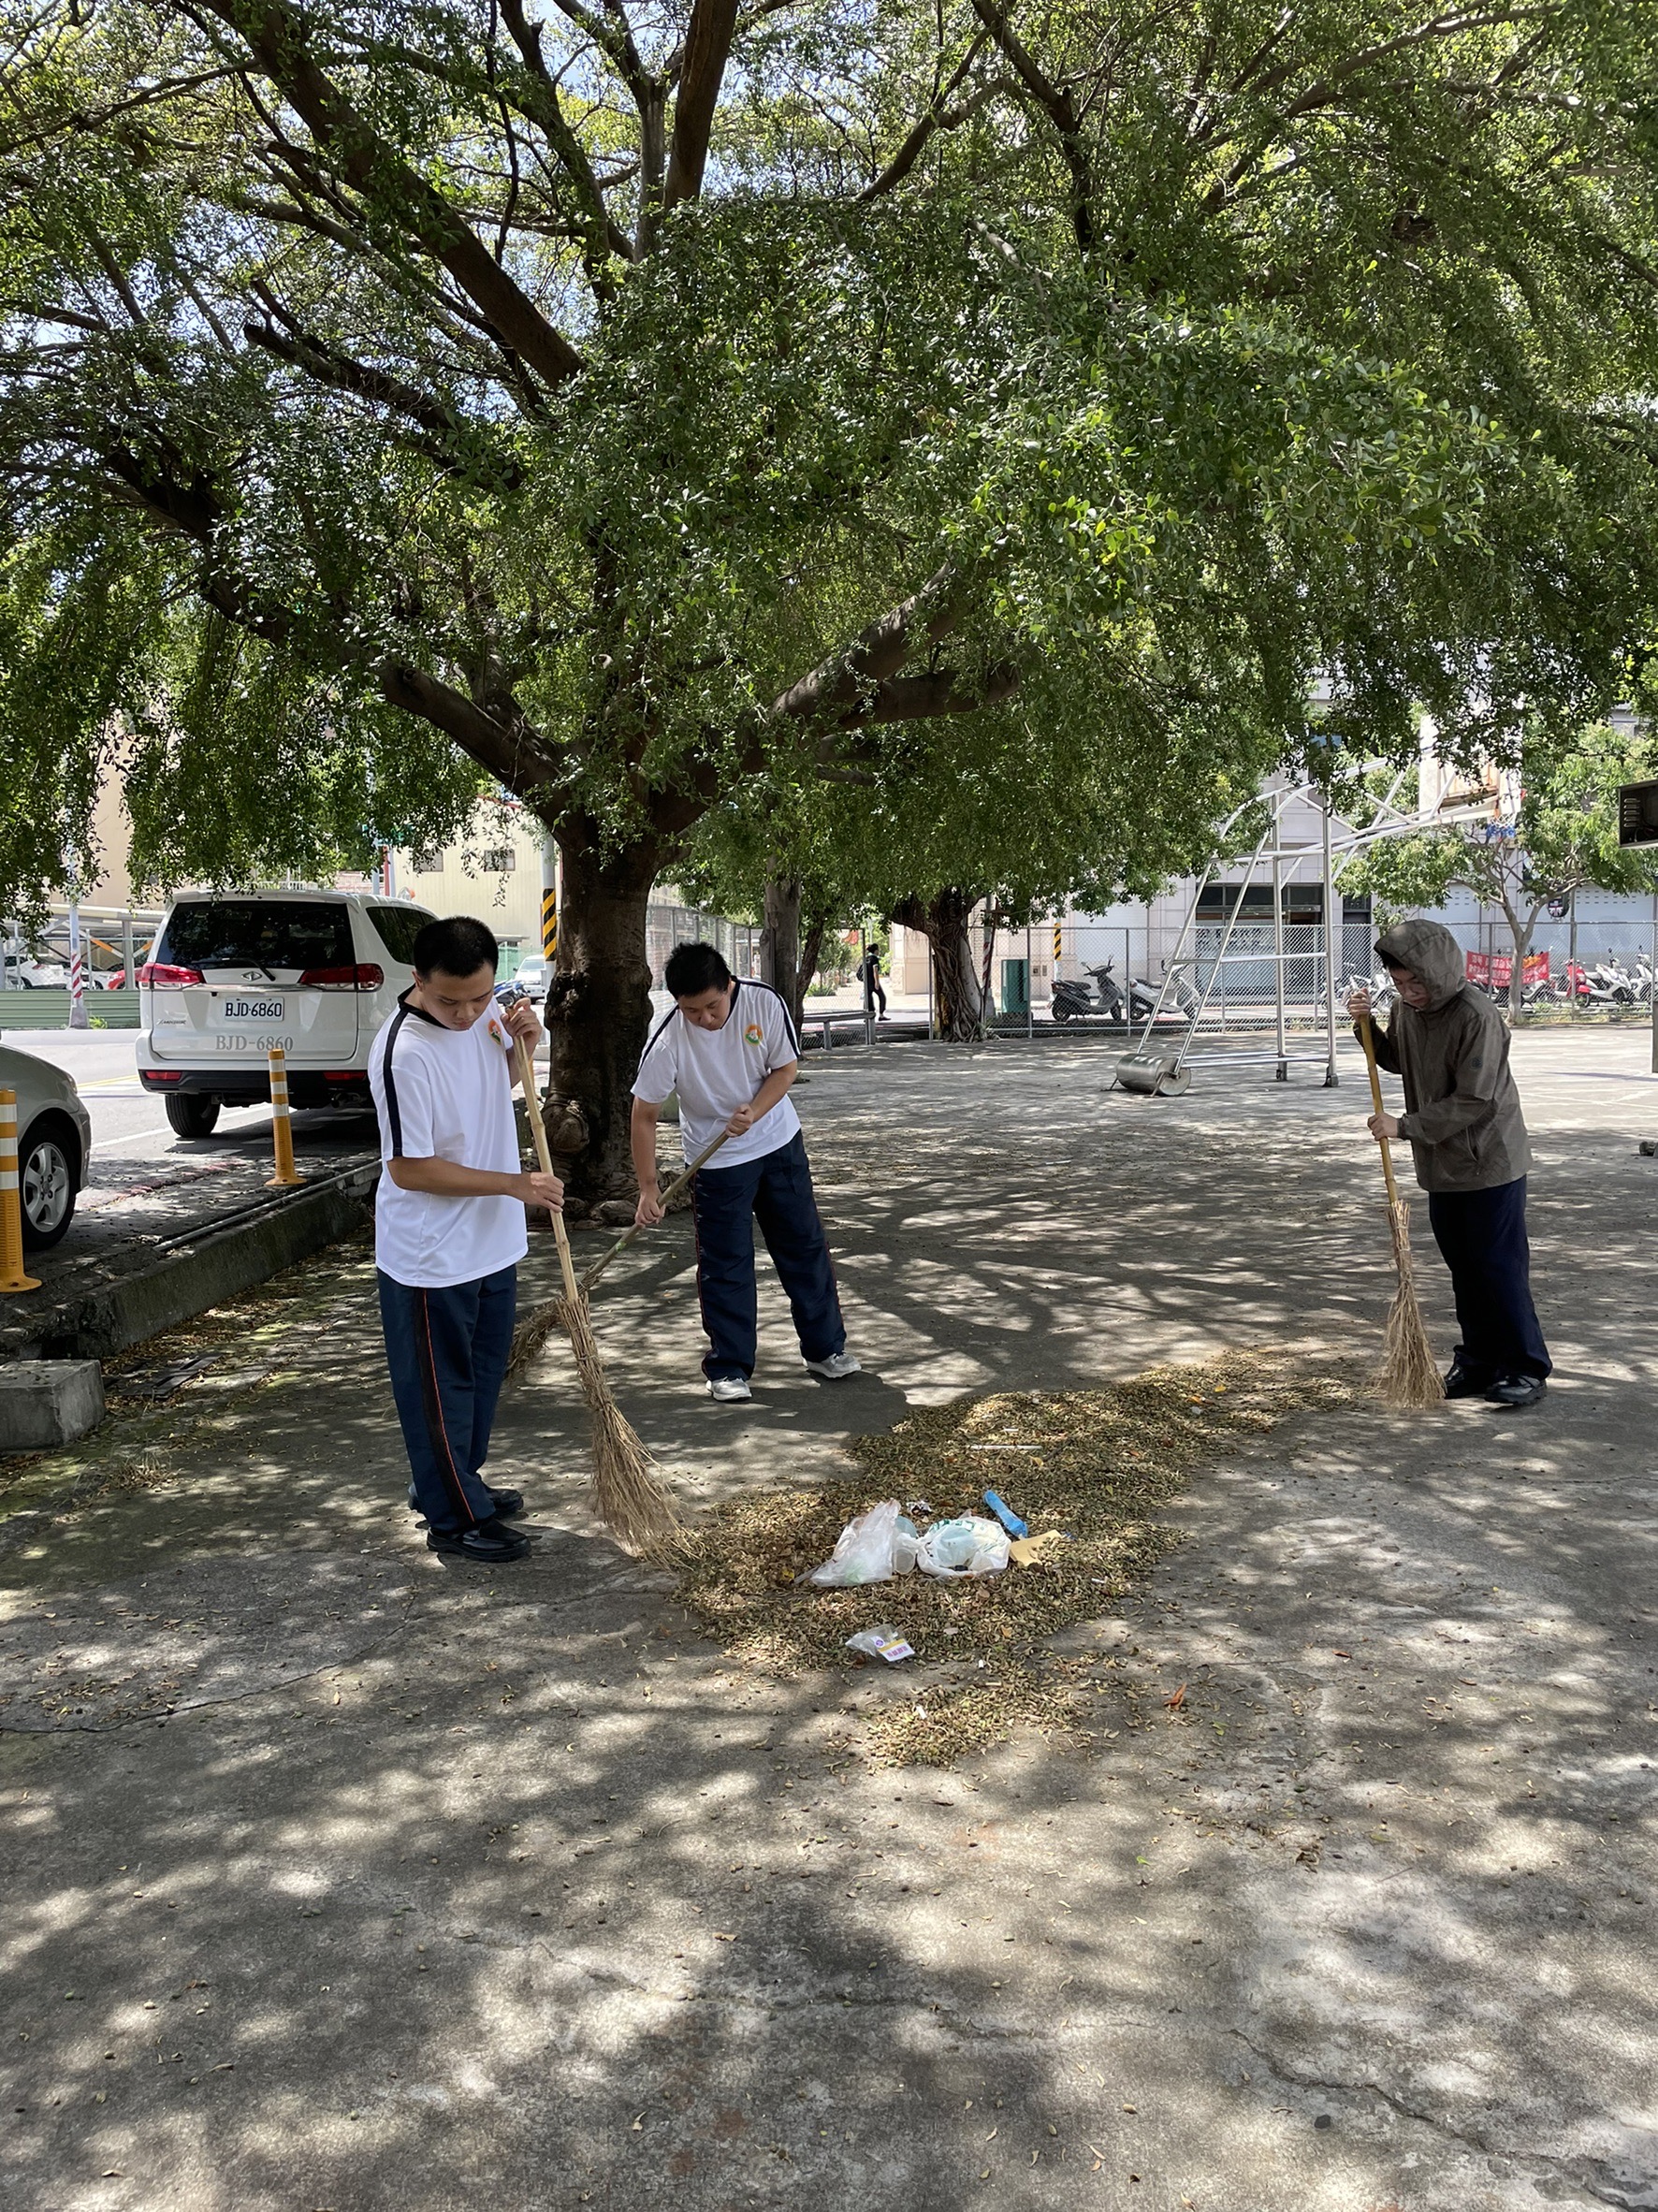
(449, 1227)
(730, 1051)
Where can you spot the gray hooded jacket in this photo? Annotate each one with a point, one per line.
(1461, 1111)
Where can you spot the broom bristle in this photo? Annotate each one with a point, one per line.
(530, 1335)
(1408, 1373)
(628, 1494)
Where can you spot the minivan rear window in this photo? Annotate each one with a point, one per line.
(397, 926)
(274, 933)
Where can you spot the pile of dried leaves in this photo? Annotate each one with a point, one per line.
(1095, 1463)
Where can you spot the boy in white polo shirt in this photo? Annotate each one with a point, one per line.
(449, 1227)
(730, 1051)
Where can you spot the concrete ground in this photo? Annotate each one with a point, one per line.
(342, 1877)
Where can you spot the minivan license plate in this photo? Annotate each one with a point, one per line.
(251, 1009)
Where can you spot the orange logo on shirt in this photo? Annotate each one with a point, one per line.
(497, 1031)
(752, 1035)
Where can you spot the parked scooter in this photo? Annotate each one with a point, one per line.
(1609, 985)
(1175, 994)
(1074, 1000)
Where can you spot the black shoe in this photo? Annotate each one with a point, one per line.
(508, 1503)
(491, 1542)
(1466, 1382)
(1514, 1390)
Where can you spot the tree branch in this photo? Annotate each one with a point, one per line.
(602, 234)
(939, 116)
(451, 442)
(707, 47)
(279, 40)
(193, 510)
(1060, 110)
(926, 698)
(878, 650)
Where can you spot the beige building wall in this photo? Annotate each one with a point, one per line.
(494, 873)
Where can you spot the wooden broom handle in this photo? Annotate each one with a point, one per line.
(1368, 1042)
(538, 1130)
(672, 1192)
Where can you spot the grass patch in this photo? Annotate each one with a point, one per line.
(1097, 1464)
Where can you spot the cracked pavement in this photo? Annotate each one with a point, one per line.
(341, 1876)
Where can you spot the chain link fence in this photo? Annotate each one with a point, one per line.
(666, 926)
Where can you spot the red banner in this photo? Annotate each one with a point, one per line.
(1495, 970)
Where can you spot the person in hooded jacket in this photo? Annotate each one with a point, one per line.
(1467, 1136)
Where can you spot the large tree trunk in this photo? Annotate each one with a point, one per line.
(780, 963)
(598, 1010)
(959, 1001)
(811, 947)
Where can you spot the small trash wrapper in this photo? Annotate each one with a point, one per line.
(1032, 1550)
(880, 1643)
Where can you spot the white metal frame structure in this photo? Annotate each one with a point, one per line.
(1337, 844)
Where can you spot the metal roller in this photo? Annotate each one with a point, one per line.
(1153, 1075)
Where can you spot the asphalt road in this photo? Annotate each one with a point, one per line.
(129, 1125)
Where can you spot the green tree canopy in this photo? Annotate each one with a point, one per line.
(618, 402)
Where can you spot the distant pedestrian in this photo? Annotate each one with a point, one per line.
(1468, 1139)
(449, 1227)
(730, 1049)
(869, 976)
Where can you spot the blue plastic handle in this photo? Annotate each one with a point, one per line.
(1006, 1515)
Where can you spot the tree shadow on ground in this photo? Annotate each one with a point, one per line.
(434, 1881)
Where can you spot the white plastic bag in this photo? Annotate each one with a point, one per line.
(906, 1545)
(863, 1551)
(965, 1546)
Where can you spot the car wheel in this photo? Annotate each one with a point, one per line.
(193, 1117)
(48, 1161)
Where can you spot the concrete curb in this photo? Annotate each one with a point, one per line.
(197, 1268)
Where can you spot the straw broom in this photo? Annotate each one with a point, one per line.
(626, 1493)
(1408, 1374)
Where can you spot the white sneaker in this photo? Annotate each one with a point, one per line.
(728, 1389)
(835, 1367)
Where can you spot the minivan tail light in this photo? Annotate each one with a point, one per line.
(156, 975)
(367, 978)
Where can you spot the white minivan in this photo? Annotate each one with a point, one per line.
(232, 973)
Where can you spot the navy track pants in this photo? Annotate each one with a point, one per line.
(447, 1351)
(1481, 1236)
(776, 1190)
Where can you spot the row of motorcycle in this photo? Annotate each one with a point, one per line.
(1097, 996)
(1609, 984)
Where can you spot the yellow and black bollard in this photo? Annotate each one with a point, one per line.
(281, 1123)
(11, 1203)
